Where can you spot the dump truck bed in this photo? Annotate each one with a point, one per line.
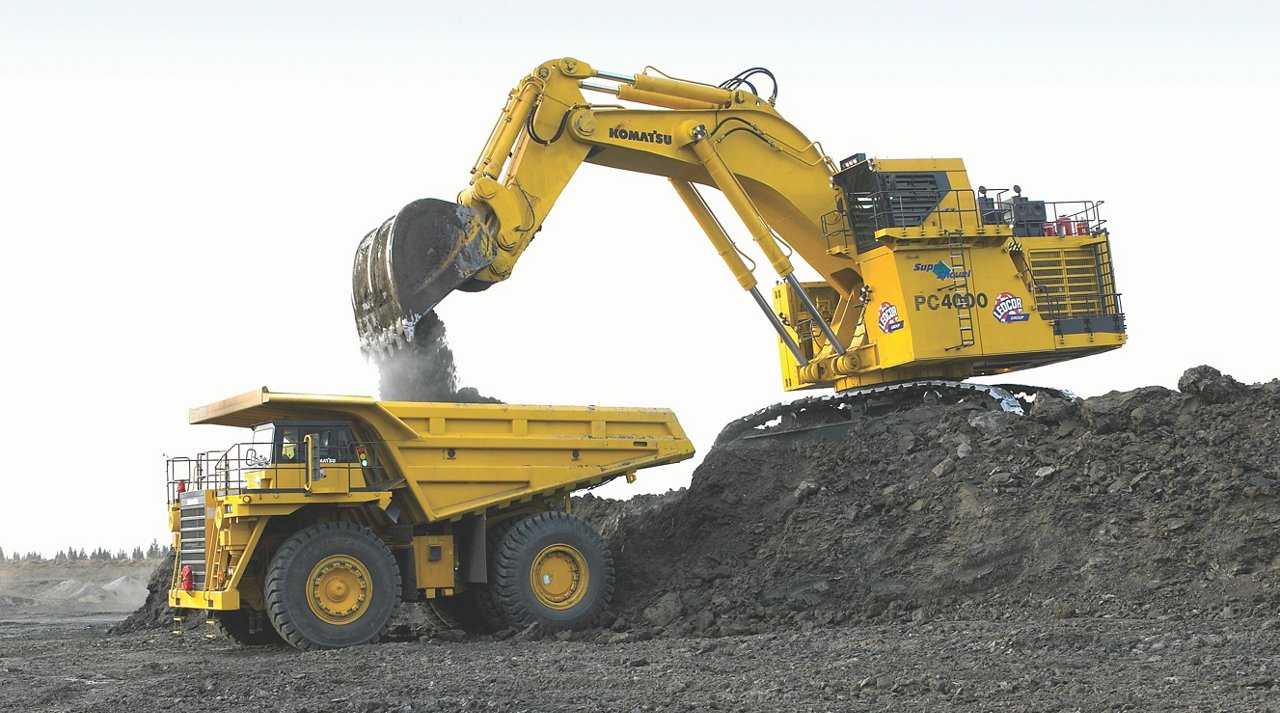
(468, 459)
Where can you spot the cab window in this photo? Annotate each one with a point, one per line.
(290, 445)
(333, 443)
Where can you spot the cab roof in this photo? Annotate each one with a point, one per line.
(260, 406)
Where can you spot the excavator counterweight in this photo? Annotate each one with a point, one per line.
(409, 263)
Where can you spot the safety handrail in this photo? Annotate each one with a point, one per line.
(230, 470)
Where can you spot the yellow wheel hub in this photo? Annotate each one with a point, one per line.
(339, 589)
(559, 577)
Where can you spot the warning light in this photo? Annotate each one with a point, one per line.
(188, 578)
(363, 455)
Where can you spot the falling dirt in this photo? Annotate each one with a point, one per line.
(424, 369)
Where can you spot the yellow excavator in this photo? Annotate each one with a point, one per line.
(924, 279)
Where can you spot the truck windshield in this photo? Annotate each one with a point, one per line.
(258, 455)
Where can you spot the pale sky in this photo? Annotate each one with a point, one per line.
(183, 186)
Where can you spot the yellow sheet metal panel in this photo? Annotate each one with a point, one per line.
(434, 559)
(471, 457)
(889, 323)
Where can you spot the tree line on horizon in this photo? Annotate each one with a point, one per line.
(152, 552)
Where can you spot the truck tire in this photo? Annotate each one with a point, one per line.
(553, 572)
(240, 626)
(331, 585)
(481, 596)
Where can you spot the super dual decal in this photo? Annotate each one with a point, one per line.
(1006, 308)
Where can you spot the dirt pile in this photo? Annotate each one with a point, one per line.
(424, 369)
(155, 612)
(77, 588)
(1148, 503)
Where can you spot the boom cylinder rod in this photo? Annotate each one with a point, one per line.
(724, 246)
(808, 305)
(615, 77)
(779, 328)
(598, 88)
(715, 232)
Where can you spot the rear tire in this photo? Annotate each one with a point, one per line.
(552, 571)
(331, 585)
(247, 627)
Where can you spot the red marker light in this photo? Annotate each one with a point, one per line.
(182, 486)
(188, 578)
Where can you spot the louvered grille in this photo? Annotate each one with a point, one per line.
(1070, 283)
(192, 535)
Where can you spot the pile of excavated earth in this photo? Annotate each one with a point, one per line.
(1150, 503)
(1147, 503)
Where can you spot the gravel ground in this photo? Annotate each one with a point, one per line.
(1069, 665)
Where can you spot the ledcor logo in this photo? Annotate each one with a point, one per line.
(889, 320)
(1008, 308)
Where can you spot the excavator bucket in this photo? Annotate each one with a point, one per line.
(405, 267)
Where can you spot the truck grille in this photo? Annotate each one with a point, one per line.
(192, 535)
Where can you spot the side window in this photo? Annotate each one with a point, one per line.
(290, 451)
(346, 447)
(343, 449)
(332, 444)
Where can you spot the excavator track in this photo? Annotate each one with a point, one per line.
(835, 410)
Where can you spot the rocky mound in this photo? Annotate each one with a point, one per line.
(155, 612)
(1138, 504)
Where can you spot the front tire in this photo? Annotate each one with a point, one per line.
(331, 585)
(552, 571)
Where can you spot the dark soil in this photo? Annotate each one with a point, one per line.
(1150, 503)
(1058, 665)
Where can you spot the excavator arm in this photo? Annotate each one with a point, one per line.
(728, 137)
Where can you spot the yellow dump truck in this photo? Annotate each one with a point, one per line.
(339, 507)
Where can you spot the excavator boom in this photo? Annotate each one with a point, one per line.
(922, 276)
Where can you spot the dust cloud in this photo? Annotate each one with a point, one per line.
(424, 369)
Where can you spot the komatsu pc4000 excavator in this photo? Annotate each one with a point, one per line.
(924, 278)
